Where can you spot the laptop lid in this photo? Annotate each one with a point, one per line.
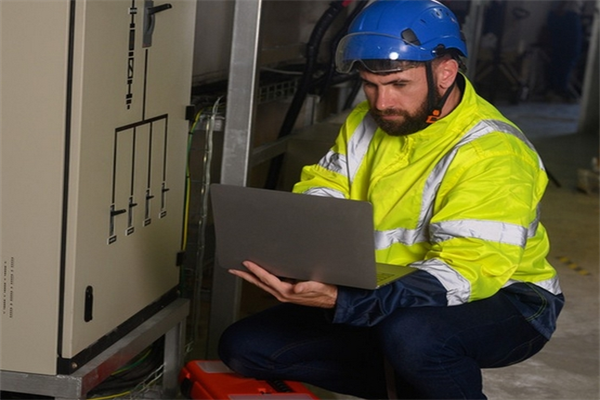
(297, 236)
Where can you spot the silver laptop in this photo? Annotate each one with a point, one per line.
(299, 236)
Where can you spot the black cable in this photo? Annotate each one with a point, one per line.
(312, 52)
(331, 72)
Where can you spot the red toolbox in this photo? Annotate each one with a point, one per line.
(208, 379)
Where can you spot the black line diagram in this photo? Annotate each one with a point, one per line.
(139, 174)
(139, 171)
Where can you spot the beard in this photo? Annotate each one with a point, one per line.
(409, 124)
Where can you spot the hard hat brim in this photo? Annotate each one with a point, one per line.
(373, 46)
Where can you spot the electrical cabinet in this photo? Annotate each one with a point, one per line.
(92, 172)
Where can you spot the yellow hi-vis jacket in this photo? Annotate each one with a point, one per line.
(458, 200)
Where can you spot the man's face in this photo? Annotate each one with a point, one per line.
(398, 101)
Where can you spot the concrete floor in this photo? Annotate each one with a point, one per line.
(568, 367)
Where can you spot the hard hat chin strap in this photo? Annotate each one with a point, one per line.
(435, 110)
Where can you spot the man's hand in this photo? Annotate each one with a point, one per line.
(308, 293)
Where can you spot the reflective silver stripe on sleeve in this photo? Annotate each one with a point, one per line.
(552, 285)
(334, 162)
(493, 231)
(357, 147)
(457, 287)
(324, 192)
(532, 230)
(384, 239)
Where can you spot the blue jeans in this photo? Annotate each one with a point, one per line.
(435, 352)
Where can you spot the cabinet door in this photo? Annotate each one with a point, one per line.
(132, 69)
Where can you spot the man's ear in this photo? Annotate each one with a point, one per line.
(446, 71)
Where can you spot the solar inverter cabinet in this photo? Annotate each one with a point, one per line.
(93, 159)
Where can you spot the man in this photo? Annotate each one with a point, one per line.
(455, 189)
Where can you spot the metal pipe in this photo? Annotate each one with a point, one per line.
(226, 290)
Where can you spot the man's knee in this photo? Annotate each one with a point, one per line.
(234, 350)
(410, 342)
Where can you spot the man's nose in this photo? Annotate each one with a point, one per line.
(383, 99)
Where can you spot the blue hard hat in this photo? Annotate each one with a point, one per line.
(399, 30)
